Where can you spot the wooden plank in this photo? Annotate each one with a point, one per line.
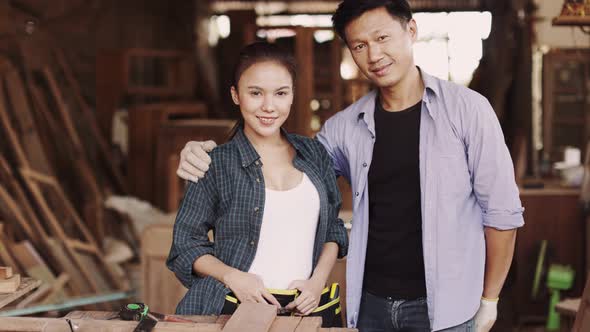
(91, 120)
(254, 317)
(161, 289)
(66, 208)
(13, 138)
(5, 272)
(70, 155)
(10, 209)
(27, 285)
(309, 324)
(22, 112)
(63, 111)
(79, 285)
(30, 324)
(48, 292)
(30, 224)
(285, 324)
(32, 263)
(10, 285)
(107, 315)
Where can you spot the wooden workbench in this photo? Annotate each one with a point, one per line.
(103, 321)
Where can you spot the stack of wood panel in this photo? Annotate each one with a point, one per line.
(55, 172)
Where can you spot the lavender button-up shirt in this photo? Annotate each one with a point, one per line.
(467, 182)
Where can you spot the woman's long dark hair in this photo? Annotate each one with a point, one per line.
(255, 53)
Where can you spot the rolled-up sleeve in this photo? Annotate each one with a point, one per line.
(336, 230)
(195, 218)
(329, 136)
(491, 168)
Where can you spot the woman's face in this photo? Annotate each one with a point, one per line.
(264, 95)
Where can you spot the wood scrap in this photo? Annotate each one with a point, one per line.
(10, 285)
(27, 285)
(254, 317)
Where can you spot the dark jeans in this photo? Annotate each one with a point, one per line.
(378, 314)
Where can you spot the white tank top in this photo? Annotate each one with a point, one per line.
(287, 235)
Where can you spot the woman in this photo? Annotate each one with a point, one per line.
(271, 199)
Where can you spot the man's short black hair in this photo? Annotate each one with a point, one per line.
(349, 10)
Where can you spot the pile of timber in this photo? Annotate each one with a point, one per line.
(56, 169)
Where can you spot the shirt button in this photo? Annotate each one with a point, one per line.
(258, 180)
(256, 209)
(364, 164)
(356, 193)
(252, 243)
(256, 163)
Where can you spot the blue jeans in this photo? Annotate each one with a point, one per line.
(379, 314)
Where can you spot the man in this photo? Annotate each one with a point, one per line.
(435, 204)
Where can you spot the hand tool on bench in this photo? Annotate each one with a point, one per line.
(140, 312)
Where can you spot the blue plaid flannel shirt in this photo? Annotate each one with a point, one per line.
(230, 200)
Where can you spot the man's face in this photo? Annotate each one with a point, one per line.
(381, 46)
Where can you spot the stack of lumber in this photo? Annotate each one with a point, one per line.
(56, 169)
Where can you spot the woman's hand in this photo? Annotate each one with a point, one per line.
(249, 287)
(308, 300)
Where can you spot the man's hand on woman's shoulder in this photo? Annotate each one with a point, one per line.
(195, 160)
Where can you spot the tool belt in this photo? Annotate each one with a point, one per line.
(328, 308)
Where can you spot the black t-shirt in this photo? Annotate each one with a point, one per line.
(394, 264)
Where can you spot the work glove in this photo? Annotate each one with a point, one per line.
(486, 315)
